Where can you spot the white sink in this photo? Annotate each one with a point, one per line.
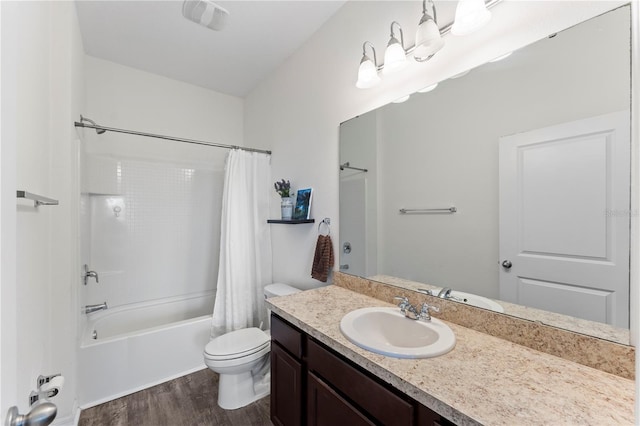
(386, 331)
(475, 300)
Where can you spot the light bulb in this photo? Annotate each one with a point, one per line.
(395, 57)
(367, 74)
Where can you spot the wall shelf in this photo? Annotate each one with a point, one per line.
(292, 221)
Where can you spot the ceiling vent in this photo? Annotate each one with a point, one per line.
(206, 13)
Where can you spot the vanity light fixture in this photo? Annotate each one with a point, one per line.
(428, 88)
(428, 38)
(368, 71)
(471, 15)
(395, 57)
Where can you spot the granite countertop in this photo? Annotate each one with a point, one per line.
(483, 380)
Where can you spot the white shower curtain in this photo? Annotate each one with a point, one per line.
(245, 243)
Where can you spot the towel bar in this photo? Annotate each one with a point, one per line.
(38, 200)
(443, 210)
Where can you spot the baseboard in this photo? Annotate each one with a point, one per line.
(70, 420)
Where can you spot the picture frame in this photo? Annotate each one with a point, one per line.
(302, 208)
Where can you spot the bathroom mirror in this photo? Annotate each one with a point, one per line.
(524, 160)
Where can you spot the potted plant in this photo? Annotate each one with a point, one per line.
(283, 188)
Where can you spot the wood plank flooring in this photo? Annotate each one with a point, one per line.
(189, 400)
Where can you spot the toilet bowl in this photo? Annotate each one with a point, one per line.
(241, 358)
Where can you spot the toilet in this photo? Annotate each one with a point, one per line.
(241, 357)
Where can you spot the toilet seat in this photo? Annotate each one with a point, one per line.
(237, 344)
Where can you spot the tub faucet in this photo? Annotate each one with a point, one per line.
(445, 293)
(89, 309)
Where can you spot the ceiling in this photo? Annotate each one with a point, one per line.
(154, 36)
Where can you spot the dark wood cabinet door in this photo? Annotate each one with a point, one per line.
(286, 388)
(326, 408)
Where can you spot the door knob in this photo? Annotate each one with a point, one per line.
(40, 415)
(507, 264)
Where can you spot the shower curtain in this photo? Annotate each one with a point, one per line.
(245, 243)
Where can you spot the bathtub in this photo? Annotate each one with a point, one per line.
(132, 347)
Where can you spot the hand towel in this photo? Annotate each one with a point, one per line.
(323, 258)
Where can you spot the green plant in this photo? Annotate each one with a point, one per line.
(283, 188)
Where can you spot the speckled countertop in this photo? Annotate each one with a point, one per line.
(483, 380)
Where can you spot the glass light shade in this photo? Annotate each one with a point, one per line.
(428, 88)
(428, 39)
(401, 100)
(395, 57)
(367, 74)
(471, 15)
(501, 57)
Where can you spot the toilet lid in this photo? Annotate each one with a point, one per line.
(235, 343)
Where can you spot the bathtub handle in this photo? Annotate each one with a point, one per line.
(89, 274)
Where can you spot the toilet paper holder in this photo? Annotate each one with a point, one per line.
(44, 391)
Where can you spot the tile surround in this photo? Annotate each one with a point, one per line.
(601, 354)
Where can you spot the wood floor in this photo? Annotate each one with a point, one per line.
(189, 400)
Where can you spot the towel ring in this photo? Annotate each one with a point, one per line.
(326, 221)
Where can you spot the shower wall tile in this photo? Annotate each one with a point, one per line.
(158, 234)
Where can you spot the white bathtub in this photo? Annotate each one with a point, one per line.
(142, 345)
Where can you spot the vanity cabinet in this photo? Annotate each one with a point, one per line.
(313, 385)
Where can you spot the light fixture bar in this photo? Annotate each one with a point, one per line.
(445, 30)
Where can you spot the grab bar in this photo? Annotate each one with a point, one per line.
(38, 200)
(451, 209)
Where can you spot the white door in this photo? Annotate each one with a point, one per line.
(353, 197)
(564, 218)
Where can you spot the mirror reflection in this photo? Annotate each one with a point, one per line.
(509, 185)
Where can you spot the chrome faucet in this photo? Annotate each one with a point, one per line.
(445, 293)
(89, 309)
(411, 312)
(89, 274)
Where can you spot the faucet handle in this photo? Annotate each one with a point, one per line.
(404, 301)
(424, 312)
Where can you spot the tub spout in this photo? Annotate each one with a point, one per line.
(95, 308)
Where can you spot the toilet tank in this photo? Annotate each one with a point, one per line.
(279, 289)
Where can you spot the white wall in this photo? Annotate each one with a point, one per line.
(42, 68)
(297, 110)
(126, 98)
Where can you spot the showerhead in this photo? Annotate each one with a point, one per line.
(206, 13)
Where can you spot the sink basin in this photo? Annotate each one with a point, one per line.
(386, 331)
(475, 300)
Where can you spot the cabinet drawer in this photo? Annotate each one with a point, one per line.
(287, 336)
(371, 396)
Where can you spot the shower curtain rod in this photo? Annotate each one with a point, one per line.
(101, 129)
